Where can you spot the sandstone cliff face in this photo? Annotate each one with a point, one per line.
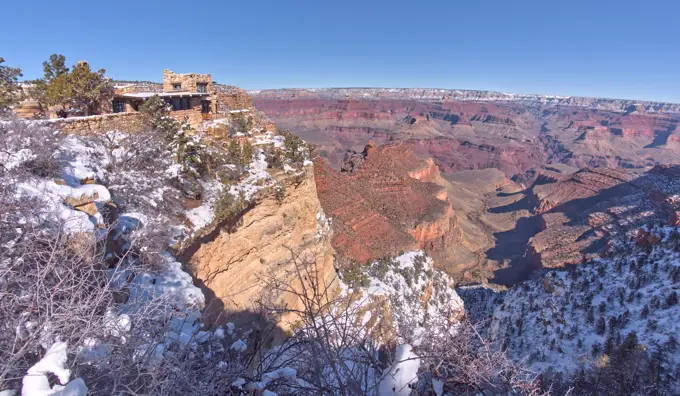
(233, 265)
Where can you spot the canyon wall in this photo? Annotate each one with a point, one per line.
(233, 265)
(579, 215)
(468, 130)
(386, 206)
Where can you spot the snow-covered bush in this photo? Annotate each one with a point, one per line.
(607, 326)
(376, 338)
(297, 150)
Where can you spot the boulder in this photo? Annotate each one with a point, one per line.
(84, 204)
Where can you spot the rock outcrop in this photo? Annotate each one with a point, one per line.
(579, 215)
(233, 265)
(384, 208)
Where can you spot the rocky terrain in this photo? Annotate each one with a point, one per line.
(387, 205)
(536, 142)
(611, 322)
(231, 263)
(465, 130)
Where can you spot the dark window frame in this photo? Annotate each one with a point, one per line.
(202, 87)
(119, 106)
(176, 86)
(180, 103)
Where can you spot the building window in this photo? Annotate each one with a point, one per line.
(202, 87)
(118, 106)
(176, 86)
(205, 107)
(180, 104)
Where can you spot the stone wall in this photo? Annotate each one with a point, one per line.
(127, 122)
(233, 98)
(189, 81)
(193, 114)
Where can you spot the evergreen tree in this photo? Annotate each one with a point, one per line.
(601, 326)
(672, 299)
(645, 312)
(596, 348)
(54, 67)
(156, 114)
(89, 90)
(246, 153)
(609, 345)
(235, 153)
(629, 344)
(81, 89)
(590, 316)
(10, 91)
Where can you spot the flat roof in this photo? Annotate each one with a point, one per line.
(146, 95)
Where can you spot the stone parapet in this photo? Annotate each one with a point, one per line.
(128, 122)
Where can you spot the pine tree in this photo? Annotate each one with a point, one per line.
(54, 67)
(601, 326)
(246, 153)
(81, 89)
(596, 348)
(156, 114)
(629, 344)
(89, 90)
(609, 345)
(10, 91)
(672, 299)
(645, 312)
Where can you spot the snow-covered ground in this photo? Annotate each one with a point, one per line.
(391, 302)
(98, 168)
(552, 321)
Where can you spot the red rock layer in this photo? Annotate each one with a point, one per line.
(384, 207)
(578, 215)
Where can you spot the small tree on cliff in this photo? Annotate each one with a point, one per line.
(54, 67)
(81, 89)
(239, 155)
(10, 91)
(89, 90)
(296, 149)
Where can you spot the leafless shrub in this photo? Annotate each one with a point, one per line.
(335, 351)
(125, 339)
(468, 364)
(332, 353)
(28, 148)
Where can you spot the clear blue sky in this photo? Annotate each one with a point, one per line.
(621, 49)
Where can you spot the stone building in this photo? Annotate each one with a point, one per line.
(192, 96)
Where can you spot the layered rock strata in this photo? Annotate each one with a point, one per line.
(580, 214)
(384, 208)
